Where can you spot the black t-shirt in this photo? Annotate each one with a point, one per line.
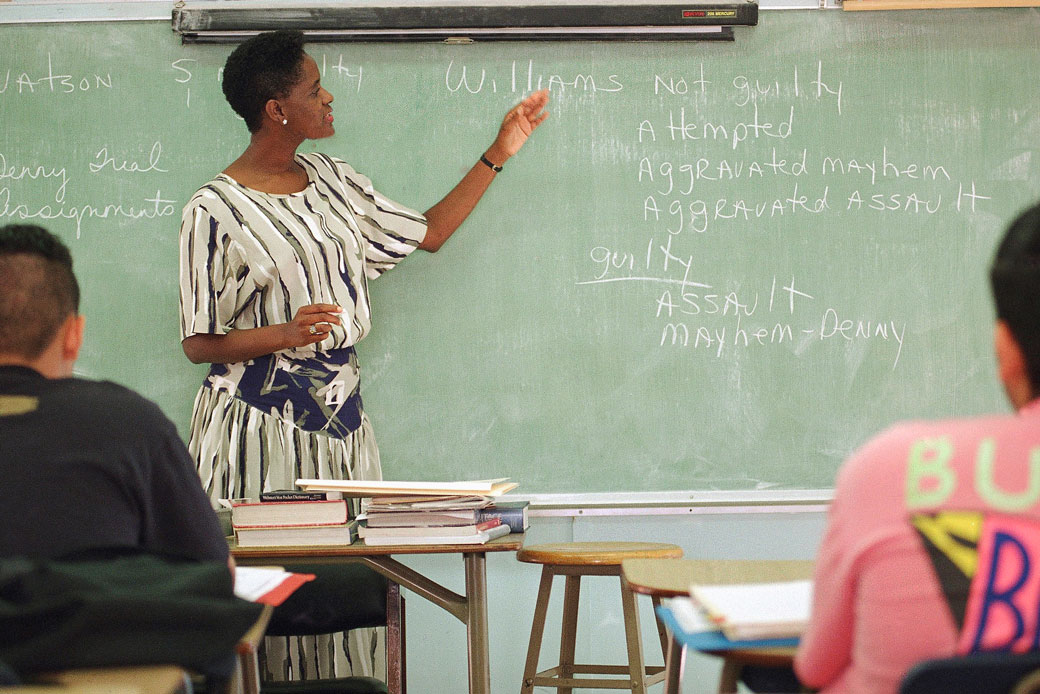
(87, 465)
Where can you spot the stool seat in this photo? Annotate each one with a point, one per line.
(596, 553)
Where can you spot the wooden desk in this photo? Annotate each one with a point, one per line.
(470, 609)
(669, 578)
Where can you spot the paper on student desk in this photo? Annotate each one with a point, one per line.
(267, 586)
(693, 629)
(494, 487)
(757, 610)
(690, 617)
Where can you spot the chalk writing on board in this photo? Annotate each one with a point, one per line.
(682, 194)
(149, 207)
(718, 339)
(682, 176)
(182, 66)
(340, 74)
(678, 84)
(706, 168)
(524, 78)
(52, 82)
(695, 314)
(337, 73)
(680, 128)
(35, 171)
(750, 89)
(103, 160)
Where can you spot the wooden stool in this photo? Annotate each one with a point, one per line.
(574, 560)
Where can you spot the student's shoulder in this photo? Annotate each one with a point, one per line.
(108, 399)
(881, 458)
(916, 433)
(885, 456)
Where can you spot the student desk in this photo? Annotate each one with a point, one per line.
(670, 578)
(142, 679)
(470, 609)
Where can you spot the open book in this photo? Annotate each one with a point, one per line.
(746, 611)
(267, 586)
(495, 487)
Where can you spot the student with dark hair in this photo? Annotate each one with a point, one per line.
(276, 255)
(84, 464)
(933, 541)
(110, 552)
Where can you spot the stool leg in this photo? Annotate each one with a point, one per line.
(534, 647)
(662, 633)
(394, 639)
(730, 676)
(404, 651)
(569, 633)
(674, 662)
(634, 640)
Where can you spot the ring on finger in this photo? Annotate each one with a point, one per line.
(313, 329)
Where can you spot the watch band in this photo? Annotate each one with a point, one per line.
(485, 160)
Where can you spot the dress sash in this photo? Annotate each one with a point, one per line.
(320, 393)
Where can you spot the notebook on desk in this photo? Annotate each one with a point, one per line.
(747, 611)
(694, 629)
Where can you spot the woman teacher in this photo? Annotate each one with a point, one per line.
(276, 254)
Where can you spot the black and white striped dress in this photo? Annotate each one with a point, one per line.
(250, 259)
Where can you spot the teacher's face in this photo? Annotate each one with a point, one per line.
(308, 107)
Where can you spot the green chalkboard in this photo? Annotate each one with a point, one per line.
(716, 266)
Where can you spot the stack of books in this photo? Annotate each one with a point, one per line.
(426, 513)
(293, 518)
(440, 520)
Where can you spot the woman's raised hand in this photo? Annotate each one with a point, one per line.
(518, 125)
(312, 323)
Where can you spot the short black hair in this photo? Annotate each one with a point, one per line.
(38, 289)
(262, 68)
(1015, 279)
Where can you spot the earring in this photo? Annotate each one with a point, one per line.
(285, 121)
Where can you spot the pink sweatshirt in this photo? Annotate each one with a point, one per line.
(879, 606)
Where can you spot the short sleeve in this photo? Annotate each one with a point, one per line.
(209, 275)
(391, 231)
